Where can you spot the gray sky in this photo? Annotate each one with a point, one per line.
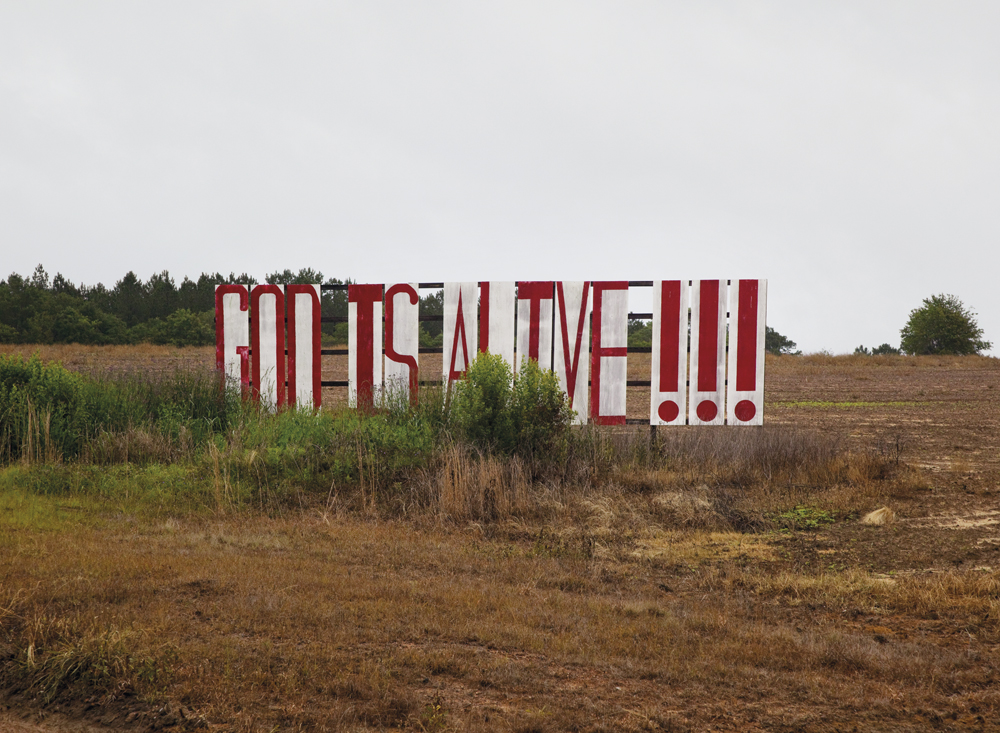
(847, 151)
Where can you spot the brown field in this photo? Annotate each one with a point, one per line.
(631, 606)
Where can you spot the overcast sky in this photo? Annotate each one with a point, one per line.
(849, 152)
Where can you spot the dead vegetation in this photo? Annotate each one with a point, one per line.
(708, 579)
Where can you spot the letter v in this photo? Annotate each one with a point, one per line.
(571, 370)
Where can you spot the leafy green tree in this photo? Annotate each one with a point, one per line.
(942, 325)
(40, 278)
(19, 301)
(199, 296)
(188, 296)
(775, 343)
(334, 303)
(128, 299)
(161, 296)
(38, 309)
(432, 332)
(180, 328)
(63, 319)
(99, 295)
(184, 328)
(640, 333)
(305, 276)
(61, 285)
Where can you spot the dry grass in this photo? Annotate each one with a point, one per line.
(71, 354)
(138, 446)
(881, 516)
(311, 623)
(825, 361)
(38, 447)
(467, 484)
(689, 583)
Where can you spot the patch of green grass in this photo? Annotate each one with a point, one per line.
(20, 509)
(849, 404)
(803, 518)
(48, 495)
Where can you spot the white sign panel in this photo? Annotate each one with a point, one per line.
(459, 338)
(668, 376)
(402, 338)
(232, 334)
(608, 360)
(304, 345)
(571, 344)
(364, 344)
(708, 350)
(267, 341)
(707, 360)
(745, 391)
(534, 323)
(496, 319)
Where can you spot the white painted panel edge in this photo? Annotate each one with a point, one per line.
(658, 396)
(502, 322)
(695, 395)
(755, 396)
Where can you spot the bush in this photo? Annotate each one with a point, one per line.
(58, 321)
(527, 414)
(46, 409)
(640, 333)
(41, 407)
(480, 410)
(180, 328)
(883, 350)
(943, 325)
(193, 401)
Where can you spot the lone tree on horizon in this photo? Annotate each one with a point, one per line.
(942, 325)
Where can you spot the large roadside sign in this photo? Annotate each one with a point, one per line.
(707, 354)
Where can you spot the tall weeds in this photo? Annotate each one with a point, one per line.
(492, 450)
(469, 484)
(45, 407)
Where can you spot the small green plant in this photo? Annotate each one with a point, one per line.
(480, 408)
(804, 518)
(434, 717)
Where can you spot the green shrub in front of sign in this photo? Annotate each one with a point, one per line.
(526, 414)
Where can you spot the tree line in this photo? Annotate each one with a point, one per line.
(41, 310)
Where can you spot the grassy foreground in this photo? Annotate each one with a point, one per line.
(254, 576)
